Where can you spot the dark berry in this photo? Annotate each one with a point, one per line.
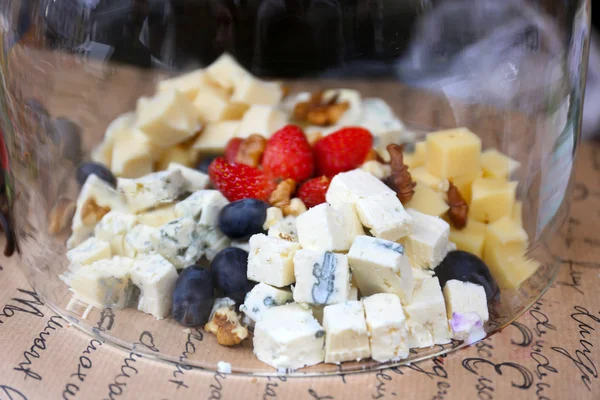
(193, 296)
(92, 168)
(67, 135)
(243, 218)
(229, 269)
(467, 267)
(203, 165)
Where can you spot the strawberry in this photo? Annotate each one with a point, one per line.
(342, 151)
(232, 148)
(239, 181)
(312, 192)
(288, 155)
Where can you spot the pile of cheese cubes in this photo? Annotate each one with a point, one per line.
(494, 229)
(361, 240)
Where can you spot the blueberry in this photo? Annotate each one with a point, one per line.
(243, 218)
(193, 296)
(203, 165)
(467, 267)
(229, 269)
(92, 168)
(67, 135)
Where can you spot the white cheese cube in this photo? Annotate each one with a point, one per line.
(254, 91)
(112, 229)
(387, 327)
(212, 104)
(466, 309)
(284, 229)
(351, 186)
(133, 155)
(204, 206)
(188, 84)
(194, 179)
(152, 190)
(167, 119)
(155, 277)
(179, 241)
(271, 260)
(321, 277)
(212, 241)
(140, 241)
(261, 298)
(427, 244)
(215, 135)
(95, 200)
(289, 337)
(103, 152)
(354, 113)
(89, 251)
(426, 314)
(261, 119)
(274, 215)
(346, 336)
(380, 266)
(384, 215)
(157, 217)
(104, 283)
(226, 71)
(328, 228)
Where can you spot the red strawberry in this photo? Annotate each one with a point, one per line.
(342, 151)
(312, 192)
(239, 181)
(232, 148)
(288, 155)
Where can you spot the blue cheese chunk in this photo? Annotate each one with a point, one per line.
(284, 228)
(426, 313)
(194, 179)
(427, 244)
(204, 206)
(387, 327)
(381, 266)
(157, 217)
(89, 251)
(155, 277)
(466, 309)
(212, 241)
(140, 240)
(289, 337)
(346, 335)
(179, 241)
(261, 298)
(152, 190)
(113, 227)
(384, 215)
(321, 277)
(271, 260)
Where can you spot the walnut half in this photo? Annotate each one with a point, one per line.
(227, 327)
(282, 195)
(251, 150)
(316, 111)
(91, 212)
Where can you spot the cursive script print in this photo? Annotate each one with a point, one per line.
(526, 335)
(216, 388)
(84, 363)
(28, 302)
(473, 365)
(106, 321)
(271, 387)
(574, 281)
(9, 393)
(38, 346)
(190, 348)
(314, 395)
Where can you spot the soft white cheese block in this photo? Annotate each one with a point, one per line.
(381, 266)
(274, 215)
(426, 314)
(384, 215)
(226, 71)
(212, 240)
(271, 260)
(133, 155)
(157, 217)
(93, 249)
(255, 91)
(168, 118)
(261, 119)
(152, 190)
(112, 229)
(346, 335)
(121, 125)
(155, 277)
(427, 244)
(95, 200)
(328, 228)
(351, 186)
(354, 113)
(203, 206)
(466, 309)
(289, 337)
(104, 283)
(387, 327)
(212, 104)
(261, 298)
(321, 277)
(194, 179)
(179, 241)
(285, 228)
(188, 83)
(215, 135)
(140, 241)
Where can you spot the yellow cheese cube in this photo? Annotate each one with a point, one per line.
(517, 214)
(464, 184)
(505, 234)
(509, 269)
(133, 155)
(261, 119)
(212, 105)
(496, 165)
(492, 199)
(121, 125)
(471, 238)
(421, 175)
(453, 153)
(226, 71)
(428, 201)
(188, 84)
(254, 91)
(416, 159)
(178, 154)
(215, 135)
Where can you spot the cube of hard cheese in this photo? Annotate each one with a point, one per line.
(261, 298)
(351, 186)
(517, 214)
(226, 71)
(321, 277)
(194, 179)
(419, 155)
(428, 201)
(509, 267)
(157, 217)
(464, 184)
(289, 337)
(212, 104)
(270, 260)
(133, 154)
(179, 154)
(453, 153)
(155, 277)
(507, 234)
(188, 83)
(471, 238)
(497, 165)
(466, 309)
(261, 119)
(103, 152)
(140, 241)
(423, 177)
(179, 241)
(152, 190)
(380, 266)
(426, 315)
(427, 245)
(346, 336)
(112, 229)
(254, 91)
(384, 215)
(328, 228)
(93, 249)
(215, 135)
(168, 118)
(492, 199)
(203, 206)
(387, 327)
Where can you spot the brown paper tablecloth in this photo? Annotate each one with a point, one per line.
(551, 352)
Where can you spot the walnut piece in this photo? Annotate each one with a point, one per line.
(282, 195)
(60, 215)
(91, 212)
(251, 150)
(400, 180)
(459, 209)
(227, 327)
(316, 111)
